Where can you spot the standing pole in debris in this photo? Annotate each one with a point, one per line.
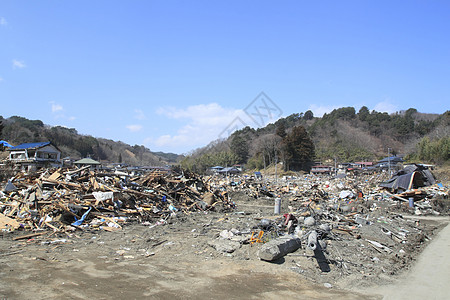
(335, 167)
(276, 163)
(264, 159)
(277, 207)
(389, 162)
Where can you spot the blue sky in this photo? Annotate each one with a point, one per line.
(173, 75)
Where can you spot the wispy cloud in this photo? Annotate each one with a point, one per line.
(139, 114)
(386, 106)
(3, 21)
(58, 112)
(1, 79)
(56, 107)
(202, 124)
(134, 128)
(319, 110)
(18, 64)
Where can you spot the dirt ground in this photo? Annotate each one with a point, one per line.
(120, 265)
(184, 259)
(428, 277)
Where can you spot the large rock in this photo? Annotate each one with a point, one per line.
(278, 248)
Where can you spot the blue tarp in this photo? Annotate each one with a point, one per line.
(6, 144)
(80, 221)
(30, 146)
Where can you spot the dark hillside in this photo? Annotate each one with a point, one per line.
(18, 130)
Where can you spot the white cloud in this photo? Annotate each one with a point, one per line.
(56, 107)
(1, 79)
(386, 106)
(18, 64)
(58, 112)
(319, 110)
(134, 128)
(203, 123)
(139, 114)
(3, 21)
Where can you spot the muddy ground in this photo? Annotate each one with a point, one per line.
(208, 256)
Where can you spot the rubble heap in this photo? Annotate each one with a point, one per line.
(61, 199)
(329, 229)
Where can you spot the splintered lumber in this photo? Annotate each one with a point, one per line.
(70, 184)
(77, 170)
(60, 195)
(279, 247)
(27, 236)
(403, 199)
(54, 176)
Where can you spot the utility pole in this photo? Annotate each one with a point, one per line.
(335, 167)
(264, 159)
(389, 161)
(276, 163)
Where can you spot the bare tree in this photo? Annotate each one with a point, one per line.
(269, 145)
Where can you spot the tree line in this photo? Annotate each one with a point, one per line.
(343, 134)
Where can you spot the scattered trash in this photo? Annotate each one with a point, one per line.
(313, 224)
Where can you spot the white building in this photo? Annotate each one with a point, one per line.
(34, 155)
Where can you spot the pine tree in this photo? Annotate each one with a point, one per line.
(298, 149)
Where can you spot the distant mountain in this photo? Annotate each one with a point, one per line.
(17, 130)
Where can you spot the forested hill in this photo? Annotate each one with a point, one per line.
(17, 130)
(343, 134)
(298, 140)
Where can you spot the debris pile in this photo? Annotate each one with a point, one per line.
(60, 199)
(325, 228)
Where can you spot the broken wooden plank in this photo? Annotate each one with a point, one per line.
(54, 176)
(27, 236)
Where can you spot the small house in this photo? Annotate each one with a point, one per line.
(363, 164)
(35, 155)
(87, 162)
(216, 169)
(321, 169)
(229, 171)
(394, 162)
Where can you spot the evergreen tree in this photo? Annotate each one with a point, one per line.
(281, 130)
(363, 113)
(308, 115)
(298, 149)
(239, 148)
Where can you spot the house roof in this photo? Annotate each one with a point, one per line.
(229, 169)
(217, 168)
(30, 146)
(87, 161)
(391, 159)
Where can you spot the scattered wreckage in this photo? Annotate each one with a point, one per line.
(60, 200)
(341, 226)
